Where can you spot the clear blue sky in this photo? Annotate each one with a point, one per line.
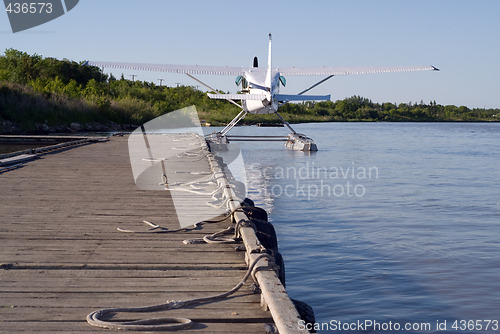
(459, 37)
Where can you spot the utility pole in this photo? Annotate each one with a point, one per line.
(133, 77)
(161, 80)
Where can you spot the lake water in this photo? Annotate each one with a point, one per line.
(9, 148)
(388, 222)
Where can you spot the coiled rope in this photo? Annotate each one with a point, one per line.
(155, 228)
(96, 318)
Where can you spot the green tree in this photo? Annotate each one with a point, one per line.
(20, 66)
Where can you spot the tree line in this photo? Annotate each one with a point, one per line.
(45, 94)
(357, 108)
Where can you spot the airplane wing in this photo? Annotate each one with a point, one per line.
(229, 70)
(189, 69)
(321, 71)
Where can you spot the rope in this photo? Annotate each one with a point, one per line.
(196, 192)
(213, 238)
(216, 238)
(167, 324)
(195, 187)
(155, 228)
(243, 223)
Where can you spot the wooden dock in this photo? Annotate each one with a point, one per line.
(61, 256)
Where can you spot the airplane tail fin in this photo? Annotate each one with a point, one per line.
(255, 62)
(269, 63)
(269, 55)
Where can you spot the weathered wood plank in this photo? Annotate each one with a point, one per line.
(122, 274)
(112, 299)
(17, 159)
(77, 284)
(57, 327)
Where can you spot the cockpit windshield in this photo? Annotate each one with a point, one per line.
(283, 80)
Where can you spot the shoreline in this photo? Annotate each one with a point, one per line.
(10, 128)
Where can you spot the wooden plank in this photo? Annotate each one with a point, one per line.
(123, 266)
(81, 327)
(77, 284)
(18, 159)
(113, 299)
(230, 313)
(142, 272)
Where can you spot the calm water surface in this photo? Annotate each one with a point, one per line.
(388, 221)
(8, 148)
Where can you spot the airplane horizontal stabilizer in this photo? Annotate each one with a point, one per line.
(284, 97)
(246, 97)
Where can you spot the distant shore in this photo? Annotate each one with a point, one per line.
(9, 128)
(45, 95)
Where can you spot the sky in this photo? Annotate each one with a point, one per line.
(459, 37)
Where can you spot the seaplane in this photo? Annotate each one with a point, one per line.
(259, 92)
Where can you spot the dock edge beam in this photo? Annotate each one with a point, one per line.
(273, 294)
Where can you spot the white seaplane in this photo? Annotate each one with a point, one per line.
(260, 90)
